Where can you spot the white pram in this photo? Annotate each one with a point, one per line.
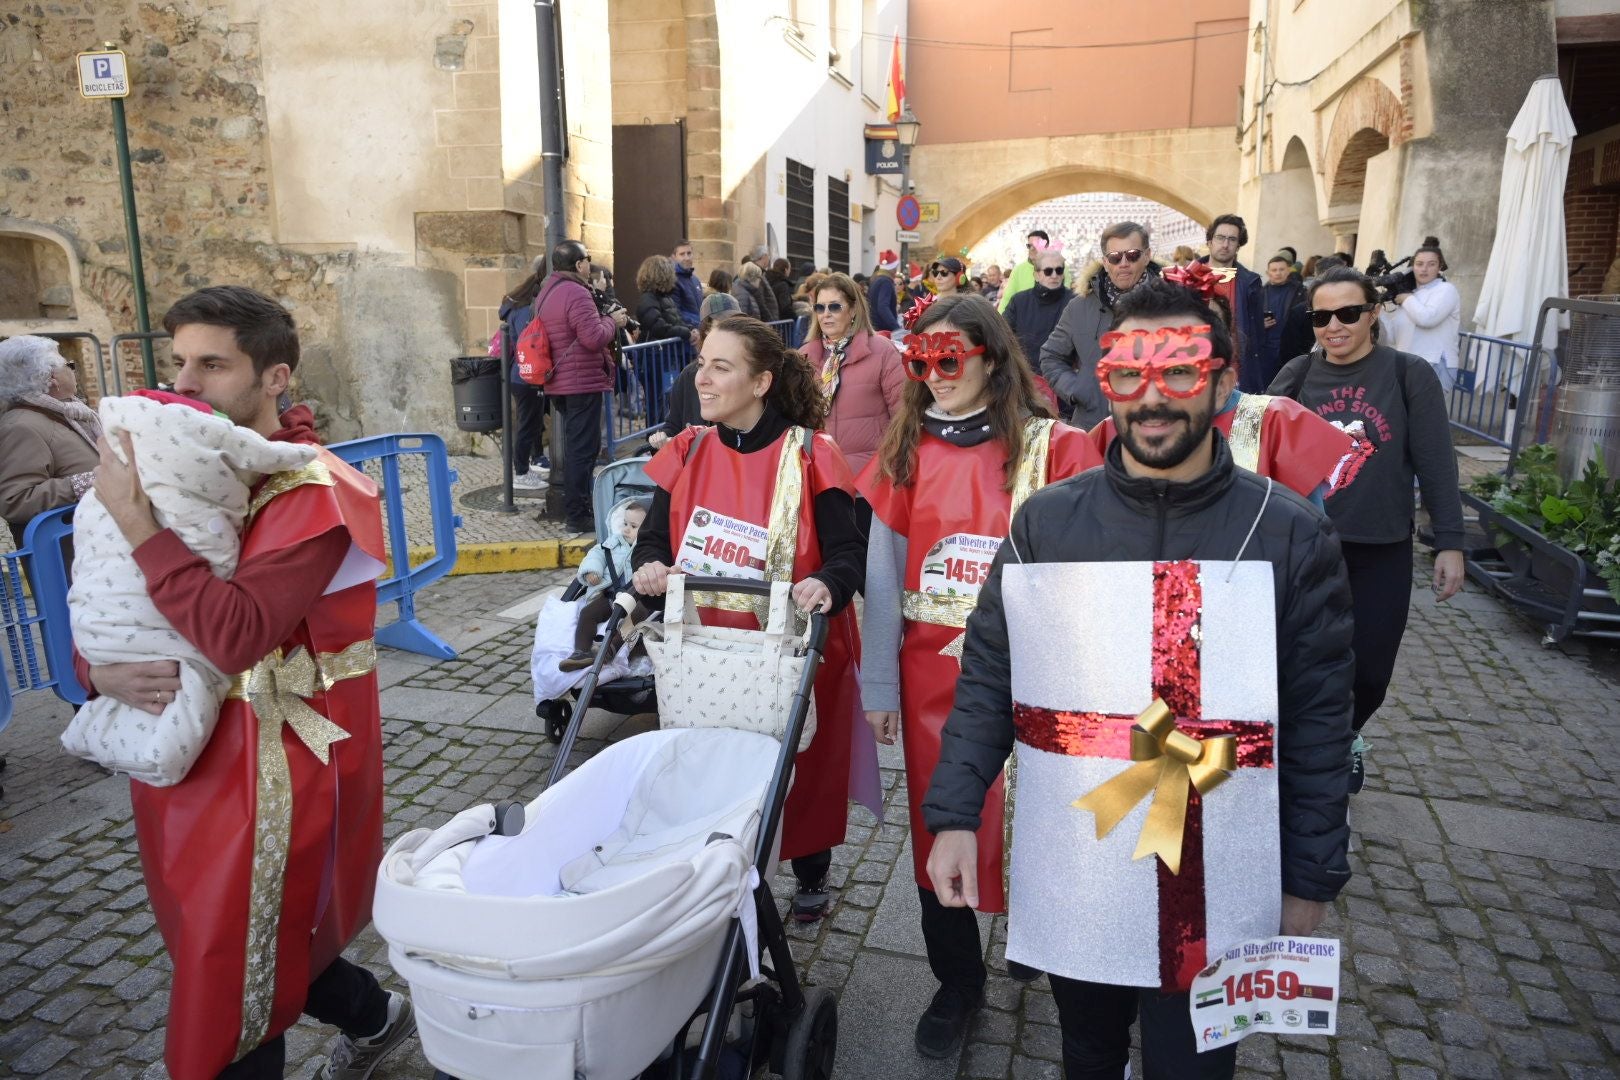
(582, 936)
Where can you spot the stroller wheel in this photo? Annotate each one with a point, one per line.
(812, 1038)
(556, 714)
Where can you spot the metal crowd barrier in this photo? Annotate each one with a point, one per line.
(104, 388)
(37, 648)
(407, 632)
(38, 653)
(792, 330)
(640, 402)
(1492, 375)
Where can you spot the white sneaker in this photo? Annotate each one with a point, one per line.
(530, 481)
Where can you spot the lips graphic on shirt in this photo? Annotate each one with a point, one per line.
(1349, 467)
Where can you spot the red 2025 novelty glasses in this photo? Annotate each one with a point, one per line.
(944, 352)
(1175, 358)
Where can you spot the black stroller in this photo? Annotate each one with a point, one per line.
(628, 696)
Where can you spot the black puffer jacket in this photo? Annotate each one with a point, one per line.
(660, 317)
(1105, 515)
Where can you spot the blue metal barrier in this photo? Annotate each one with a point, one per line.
(1488, 380)
(792, 331)
(407, 632)
(639, 405)
(34, 614)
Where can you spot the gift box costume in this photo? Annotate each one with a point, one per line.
(261, 863)
(952, 518)
(753, 515)
(196, 467)
(1276, 437)
(1165, 617)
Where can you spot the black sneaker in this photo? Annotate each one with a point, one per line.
(582, 525)
(1358, 764)
(811, 901)
(943, 1027)
(578, 660)
(1022, 972)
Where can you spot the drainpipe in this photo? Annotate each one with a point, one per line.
(551, 122)
(552, 152)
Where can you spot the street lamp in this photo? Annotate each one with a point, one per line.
(906, 128)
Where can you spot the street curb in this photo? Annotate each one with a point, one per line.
(505, 558)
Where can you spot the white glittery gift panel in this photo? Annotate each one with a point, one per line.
(1081, 639)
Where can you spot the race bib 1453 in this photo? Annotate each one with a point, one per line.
(958, 565)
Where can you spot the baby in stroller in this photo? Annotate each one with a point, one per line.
(605, 572)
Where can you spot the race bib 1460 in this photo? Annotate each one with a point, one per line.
(958, 565)
(719, 546)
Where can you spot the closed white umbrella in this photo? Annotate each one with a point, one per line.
(1528, 260)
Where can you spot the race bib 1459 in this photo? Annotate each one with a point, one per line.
(1274, 984)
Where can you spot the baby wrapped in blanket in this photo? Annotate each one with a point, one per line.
(197, 468)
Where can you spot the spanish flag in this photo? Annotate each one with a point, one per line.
(897, 81)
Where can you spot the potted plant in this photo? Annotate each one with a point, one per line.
(1582, 517)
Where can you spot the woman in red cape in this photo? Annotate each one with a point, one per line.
(972, 440)
(763, 495)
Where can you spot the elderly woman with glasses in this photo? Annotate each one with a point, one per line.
(47, 435)
(860, 372)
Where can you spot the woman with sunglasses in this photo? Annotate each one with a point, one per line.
(1391, 403)
(971, 441)
(718, 506)
(859, 370)
(945, 275)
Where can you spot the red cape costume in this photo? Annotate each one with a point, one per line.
(261, 863)
(713, 477)
(954, 516)
(1271, 436)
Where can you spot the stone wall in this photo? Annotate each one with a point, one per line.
(344, 158)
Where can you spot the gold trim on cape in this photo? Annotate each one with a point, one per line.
(1244, 441)
(280, 483)
(276, 688)
(781, 535)
(938, 610)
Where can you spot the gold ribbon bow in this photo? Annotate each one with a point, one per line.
(1223, 274)
(277, 689)
(1166, 759)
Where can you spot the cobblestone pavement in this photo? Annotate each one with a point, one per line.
(1481, 925)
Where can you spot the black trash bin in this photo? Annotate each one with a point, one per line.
(476, 384)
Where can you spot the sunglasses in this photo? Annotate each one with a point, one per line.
(1132, 255)
(941, 353)
(821, 309)
(1175, 359)
(942, 272)
(1347, 316)
(1051, 271)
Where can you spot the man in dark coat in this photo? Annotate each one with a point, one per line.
(1033, 314)
(688, 290)
(881, 297)
(1169, 502)
(1242, 289)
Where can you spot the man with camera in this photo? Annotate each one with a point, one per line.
(581, 324)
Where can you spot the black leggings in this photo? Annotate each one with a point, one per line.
(1096, 1021)
(345, 995)
(1381, 593)
(951, 936)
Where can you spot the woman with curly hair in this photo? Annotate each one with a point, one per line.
(717, 486)
(972, 439)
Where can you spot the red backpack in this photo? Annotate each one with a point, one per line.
(532, 354)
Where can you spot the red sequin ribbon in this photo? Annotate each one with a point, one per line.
(1196, 276)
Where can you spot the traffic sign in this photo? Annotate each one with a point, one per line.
(930, 211)
(906, 236)
(103, 74)
(908, 212)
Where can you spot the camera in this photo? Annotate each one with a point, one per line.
(1389, 278)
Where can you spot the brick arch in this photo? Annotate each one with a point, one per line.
(1368, 106)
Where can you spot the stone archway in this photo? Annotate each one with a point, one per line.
(1292, 213)
(980, 185)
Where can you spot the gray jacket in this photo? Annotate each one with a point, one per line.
(1069, 357)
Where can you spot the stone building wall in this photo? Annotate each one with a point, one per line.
(344, 158)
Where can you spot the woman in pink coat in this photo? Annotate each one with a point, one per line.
(861, 373)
